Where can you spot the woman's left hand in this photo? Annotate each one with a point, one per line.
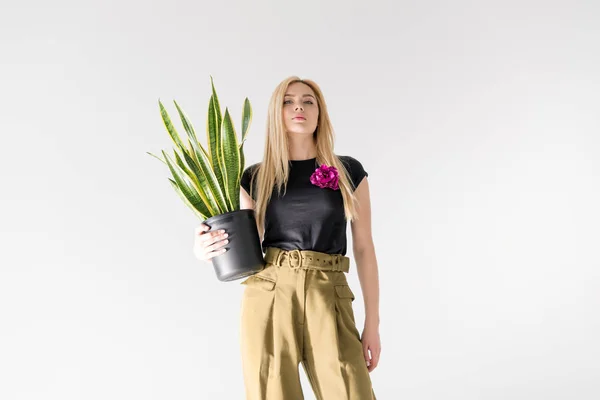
(371, 342)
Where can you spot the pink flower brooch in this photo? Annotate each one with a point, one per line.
(325, 177)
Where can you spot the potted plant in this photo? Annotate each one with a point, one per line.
(208, 182)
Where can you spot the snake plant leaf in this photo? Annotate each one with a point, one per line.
(231, 158)
(246, 119)
(205, 153)
(187, 125)
(203, 181)
(186, 201)
(188, 172)
(213, 130)
(222, 166)
(169, 125)
(186, 186)
(208, 180)
(157, 157)
(242, 160)
(194, 145)
(183, 169)
(218, 163)
(192, 173)
(193, 160)
(216, 104)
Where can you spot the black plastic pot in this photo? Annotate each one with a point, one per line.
(244, 254)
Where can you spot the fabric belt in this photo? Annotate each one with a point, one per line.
(307, 259)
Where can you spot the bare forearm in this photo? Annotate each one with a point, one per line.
(368, 274)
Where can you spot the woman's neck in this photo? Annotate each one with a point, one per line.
(305, 152)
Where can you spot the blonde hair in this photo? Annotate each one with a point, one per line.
(274, 168)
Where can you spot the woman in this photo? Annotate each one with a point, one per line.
(298, 309)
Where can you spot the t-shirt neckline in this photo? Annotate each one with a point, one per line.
(308, 159)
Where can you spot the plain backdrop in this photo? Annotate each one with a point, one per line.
(477, 121)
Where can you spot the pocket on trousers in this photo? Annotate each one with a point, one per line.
(344, 292)
(345, 312)
(260, 282)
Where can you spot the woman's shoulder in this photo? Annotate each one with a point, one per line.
(247, 175)
(351, 162)
(355, 168)
(251, 168)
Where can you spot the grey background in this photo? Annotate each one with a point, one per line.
(477, 122)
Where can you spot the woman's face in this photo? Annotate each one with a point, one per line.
(300, 110)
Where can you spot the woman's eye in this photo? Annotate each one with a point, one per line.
(307, 101)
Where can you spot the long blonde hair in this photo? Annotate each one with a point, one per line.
(274, 168)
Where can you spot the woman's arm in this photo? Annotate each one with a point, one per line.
(247, 202)
(366, 263)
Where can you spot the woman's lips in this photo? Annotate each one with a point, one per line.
(299, 118)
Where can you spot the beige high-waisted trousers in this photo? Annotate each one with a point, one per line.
(298, 310)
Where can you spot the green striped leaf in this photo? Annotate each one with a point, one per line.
(246, 119)
(206, 195)
(207, 179)
(169, 125)
(210, 177)
(214, 140)
(157, 157)
(194, 161)
(186, 186)
(242, 160)
(231, 158)
(187, 125)
(203, 181)
(216, 104)
(186, 201)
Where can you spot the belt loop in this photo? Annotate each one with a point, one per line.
(278, 257)
(337, 266)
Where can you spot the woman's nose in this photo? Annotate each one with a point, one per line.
(299, 107)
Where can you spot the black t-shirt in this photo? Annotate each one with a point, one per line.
(306, 217)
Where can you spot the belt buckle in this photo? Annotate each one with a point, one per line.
(295, 255)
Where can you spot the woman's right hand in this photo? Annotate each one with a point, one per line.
(208, 244)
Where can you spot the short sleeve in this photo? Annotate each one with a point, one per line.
(356, 170)
(246, 178)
